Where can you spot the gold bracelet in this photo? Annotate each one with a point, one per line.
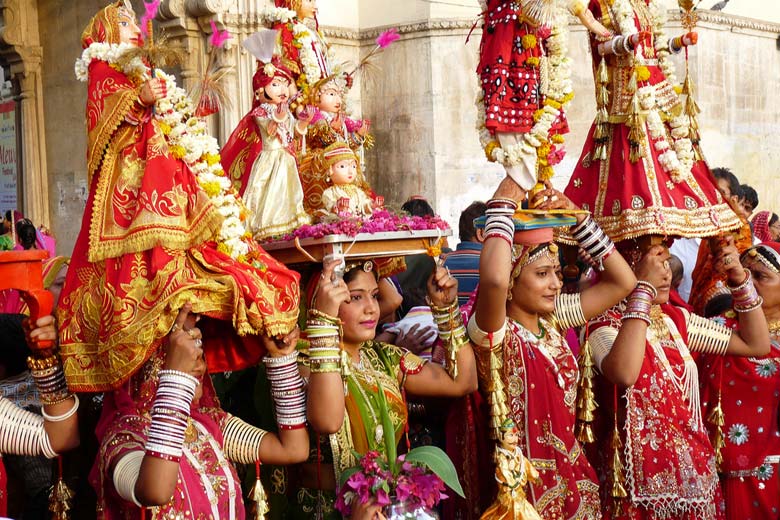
(38, 364)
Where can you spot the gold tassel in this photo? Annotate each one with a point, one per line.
(258, 496)
(692, 111)
(586, 400)
(616, 465)
(634, 123)
(60, 497)
(717, 418)
(601, 133)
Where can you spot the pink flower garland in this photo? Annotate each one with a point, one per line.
(382, 221)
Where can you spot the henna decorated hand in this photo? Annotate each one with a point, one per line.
(509, 189)
(654, 267)
(726, 257)
(44, 330)
(185, 343)
(282, 345)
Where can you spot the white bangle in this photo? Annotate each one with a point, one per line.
(126, 473)
(64, 417)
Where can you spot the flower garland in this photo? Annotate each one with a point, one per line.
(557, 91)
(189, 140)
(381, 221)
(678, 158)
(305, 40)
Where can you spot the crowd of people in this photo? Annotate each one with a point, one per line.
(612, 353)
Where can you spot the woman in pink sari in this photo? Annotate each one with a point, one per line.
(165, 443)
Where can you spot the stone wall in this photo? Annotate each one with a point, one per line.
(421, 102)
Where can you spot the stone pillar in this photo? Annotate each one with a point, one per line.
(20, 47)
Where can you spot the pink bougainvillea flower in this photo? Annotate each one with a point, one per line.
(150, 11)
(218, 38)
(387, 38)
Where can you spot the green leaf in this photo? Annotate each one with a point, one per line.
(439, 463)
(348, 473)
(388, 429)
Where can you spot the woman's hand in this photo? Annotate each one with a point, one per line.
(185, 343)
(509, 189)
(283, 345)
(369, 511)
(654, 266)
(550, 198)
(726, 257)
(45, 329)
(416, 338)
(442, 288)
(331, 291)
(153, 90)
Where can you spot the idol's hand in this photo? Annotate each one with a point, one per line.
(153, 90)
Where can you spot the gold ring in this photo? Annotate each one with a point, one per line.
(727, 260)
(191, 333)
(174, 328)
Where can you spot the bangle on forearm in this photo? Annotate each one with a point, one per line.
(50, 379)
(592, 239)
(242, 441)
(288, 390)
(744, 296)
(675, 44)
(22, 432)
(324, 334)
(502, 203)
(499, 222)
(64, 417)
(640, 301)
(452, 333)
(170, 415)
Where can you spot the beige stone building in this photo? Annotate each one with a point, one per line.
(421, 104)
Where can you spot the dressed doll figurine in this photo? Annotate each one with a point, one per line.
(152, 238)
(273, 191)
(525, 74)
(344, 196)
(641, 171)
(513, 471)
(330, 124)
(304, 50)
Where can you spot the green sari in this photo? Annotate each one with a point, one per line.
(361, 431)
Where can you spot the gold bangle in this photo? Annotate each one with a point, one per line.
(38, 364)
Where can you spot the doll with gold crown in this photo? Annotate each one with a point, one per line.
(344, 195)
(273, 190)
(330, 123)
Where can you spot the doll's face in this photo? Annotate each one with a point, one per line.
(308, 9)
(330, 100)
(344, 172)
(128, 28)
(510, 439)
(278, 91)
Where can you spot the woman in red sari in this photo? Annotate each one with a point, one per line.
(643, 346)
(520, 312)
(148, 243)
(747, 391)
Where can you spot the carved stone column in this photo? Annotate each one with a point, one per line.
(20, 47)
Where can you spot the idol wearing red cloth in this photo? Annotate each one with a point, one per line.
(740, 398)
(655, 429)
(148, 243)
(641, 171)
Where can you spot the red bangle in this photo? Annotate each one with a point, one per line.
(163, 456)
(499, 235)
(293, 426)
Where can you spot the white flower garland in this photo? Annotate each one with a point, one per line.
(188, 138)
(558, 89)
(678, 158)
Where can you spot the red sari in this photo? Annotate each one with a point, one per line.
(750, 400)
(541, 384)
(668, 191)
(668, 459)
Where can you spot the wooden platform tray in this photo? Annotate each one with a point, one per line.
(362, 245)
